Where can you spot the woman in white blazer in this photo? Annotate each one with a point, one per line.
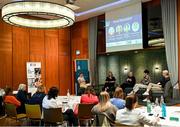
(130, 116)
(50, 101)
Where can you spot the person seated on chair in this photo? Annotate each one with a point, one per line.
(82, 83)
(22, 97)
(10, 98)
(50, 101)
(105, 106)
(117, 99)
(161, 84)
(38, 97)
(129, 82)
(110, 84)
(130, 116)
(89, 97)
(2, 92)
(143, 84)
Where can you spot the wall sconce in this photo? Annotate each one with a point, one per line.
(78, 52)
(157, 68)
(125, 69)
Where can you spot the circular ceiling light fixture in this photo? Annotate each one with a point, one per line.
(38, 14)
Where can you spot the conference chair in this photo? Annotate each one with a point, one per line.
(33, 112)
(53, 116)
(10, 110)
(84, 113)
(101, 119)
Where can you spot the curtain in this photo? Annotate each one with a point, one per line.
(93, 28)
(169, 20)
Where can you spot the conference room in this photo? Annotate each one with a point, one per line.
(90, 63)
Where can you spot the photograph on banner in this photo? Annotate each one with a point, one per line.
(33, 75)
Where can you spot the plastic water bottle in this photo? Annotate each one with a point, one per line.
(156, 102)
(149, 106)
(163, 107)
(68, 94)
(157, 108)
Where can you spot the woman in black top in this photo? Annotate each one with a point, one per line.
(129, 82)
(110, 82)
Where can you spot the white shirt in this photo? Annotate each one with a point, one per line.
(81, 79)
(2, 92)
(52, 103)
(134, 117)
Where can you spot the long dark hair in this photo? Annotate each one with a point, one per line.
(90, 90)
(8, 91)
(130, 101)
(53, 92)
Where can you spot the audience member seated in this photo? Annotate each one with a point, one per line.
(105, 106)
(161, 84)
(37, 97)
(110, 82)
(129, 82)
(117, 100)
(2, 92)
(143, 84)
(89, 96)
(10, 98)
(131, 116)
(50, 101)
(82, 84)
(22, 97)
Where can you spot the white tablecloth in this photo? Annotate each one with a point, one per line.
(172, 111)
(70, 102)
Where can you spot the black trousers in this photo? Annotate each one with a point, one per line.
(126, 85)
(70, 117)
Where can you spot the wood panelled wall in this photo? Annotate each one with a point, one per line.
(79, 41)
(5, 55)
(50, 47)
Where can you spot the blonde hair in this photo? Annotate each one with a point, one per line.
(22, 87)
(104, 101)
(41, 88)
(118, 93)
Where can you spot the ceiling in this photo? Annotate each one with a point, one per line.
(84, 5)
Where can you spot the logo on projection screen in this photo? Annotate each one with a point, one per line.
(135, 26)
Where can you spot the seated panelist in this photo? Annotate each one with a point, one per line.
(129, 82)
(161, 84)
(143, 84)
(110, 82)
(82, 84)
